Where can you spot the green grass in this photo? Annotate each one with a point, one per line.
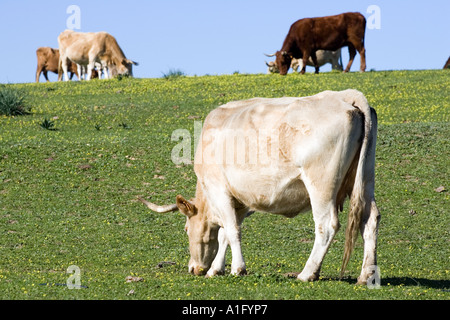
(68, 196)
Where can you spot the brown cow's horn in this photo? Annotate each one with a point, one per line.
(160, 209)
(270, 55)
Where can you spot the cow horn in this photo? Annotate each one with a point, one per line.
(160, 209)
(267, 64)
(270, 55)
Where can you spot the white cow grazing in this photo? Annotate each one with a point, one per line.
(89, 48)
(283, 156)
(323, 57)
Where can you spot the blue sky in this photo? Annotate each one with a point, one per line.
(218, 36)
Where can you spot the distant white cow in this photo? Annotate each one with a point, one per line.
(323, 57)
(88, 48)
(96, 73)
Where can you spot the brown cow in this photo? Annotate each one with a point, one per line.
(47, 60)
(308, 35)
(447, 64)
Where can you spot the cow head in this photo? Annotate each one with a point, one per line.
(124, 67)
(272, 67)
(128, 64)
(283, 61)
(203, 235)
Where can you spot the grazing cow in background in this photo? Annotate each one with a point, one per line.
(308, 35)
(447, 64)
(88, 48)
(48, 59)
(283, 156)
(96, 73)
(323, 57)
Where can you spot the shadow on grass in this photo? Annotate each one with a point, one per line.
(420, 282)
(443, 285)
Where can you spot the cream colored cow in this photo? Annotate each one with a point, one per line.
(283, 156)
(89, 48)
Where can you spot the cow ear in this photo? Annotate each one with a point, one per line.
(186, 207)
(128, 61)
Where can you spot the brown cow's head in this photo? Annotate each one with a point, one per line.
(283, 61)
(124, 67)
(203, 235)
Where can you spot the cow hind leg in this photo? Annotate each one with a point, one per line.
(90, 67)
(326, 221)
(362, 53)
(352, 54)
(38, 72)
(314, 59)
(369, 233)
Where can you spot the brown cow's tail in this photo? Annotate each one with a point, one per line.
(364, 178)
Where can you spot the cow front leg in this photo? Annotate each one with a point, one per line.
(80, 71)
(304, 61)
(369, 233)
(90, 67)
(232, 232)
(64, 67)
(326, 225)
(218, 265)
(230, 220)
(105, 72)
(232, 229)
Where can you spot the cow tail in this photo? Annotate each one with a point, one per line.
(364, 178)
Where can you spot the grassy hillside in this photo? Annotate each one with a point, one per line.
(68, 195)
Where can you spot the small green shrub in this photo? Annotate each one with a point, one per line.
(173, 74)
(124, 125)
(12, 102)
(48, 125)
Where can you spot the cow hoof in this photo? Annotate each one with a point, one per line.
(239, 272)
(361, 282)
(362, 279)
(307, 277)
(212, 273)
(198, 271)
